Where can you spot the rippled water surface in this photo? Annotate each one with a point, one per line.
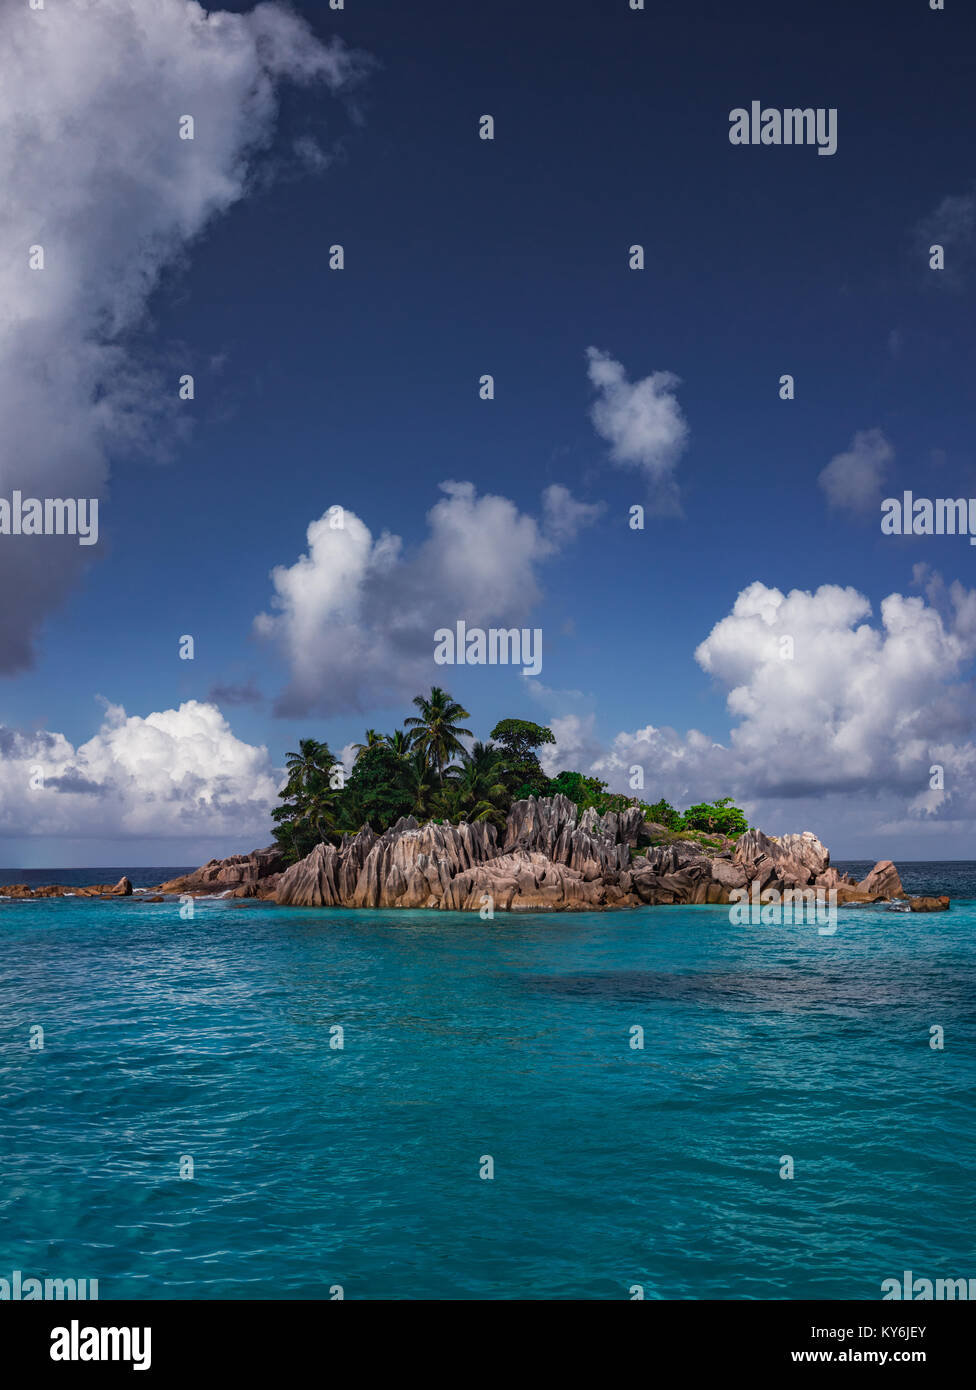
(613, 1165)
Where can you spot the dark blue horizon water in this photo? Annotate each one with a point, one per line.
(143, 877)
(316, 1167)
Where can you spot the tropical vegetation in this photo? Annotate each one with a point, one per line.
(434, 769)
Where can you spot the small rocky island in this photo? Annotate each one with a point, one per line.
(122, 889)
(550, 858)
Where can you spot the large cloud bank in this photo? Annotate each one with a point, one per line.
(94, 171)
(176, 774)
(836, 715)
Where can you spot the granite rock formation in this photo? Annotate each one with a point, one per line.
(240, 874)
(549, 857)
(883, 879)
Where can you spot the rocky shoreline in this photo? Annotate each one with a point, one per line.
(122, 889)
(549, 858)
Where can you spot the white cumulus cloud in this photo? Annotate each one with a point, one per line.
(94, 172)
(355, 615)
(177, 773)
(837, 717)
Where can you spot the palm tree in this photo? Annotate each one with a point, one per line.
(372, 739)
(475, 790)
(307, 811)
(417, 783)
(308, 766)
(400, 742)
(319, 815)
(437, 732)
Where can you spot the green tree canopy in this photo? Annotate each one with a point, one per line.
(373, 737)
(425, 770)
(719, 817)
(475, 788)
(663, 813)
(378, 790)
(309, 811)
(437, 731)
(309, 766)
(399, 741)
(518, 739)
(583, 791)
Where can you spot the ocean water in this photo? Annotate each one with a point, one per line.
(84, 878)
(359, 1167)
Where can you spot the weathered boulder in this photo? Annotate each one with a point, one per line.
(806, 850)
(753, 846)
(539, 823)
(218, 874)
(790, 861)
(831, 878)
(354, 851)
(122, 889)
(883, 881)
(630, 826)
(652, 833)
(848, 893)
(727, 874)
(929, 904)
(262, 888)
(522, 880)
(679, 856)
(312, 881)
(656, 888)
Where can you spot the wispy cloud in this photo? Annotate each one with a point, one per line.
(853, 480)
(642, 422)
(231, 693)
(952, 225)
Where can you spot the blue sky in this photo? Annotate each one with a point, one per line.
(465, 256)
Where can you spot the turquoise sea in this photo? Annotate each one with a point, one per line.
(360, 1167)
